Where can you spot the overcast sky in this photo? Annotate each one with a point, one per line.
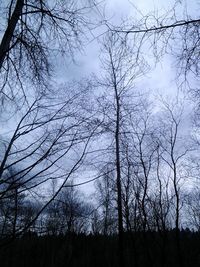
(160, 80)
(87, 62)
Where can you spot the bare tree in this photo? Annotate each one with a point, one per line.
(34, 32)
(119, 71)
(174, 155)
(49, 142)
(193, 209)
(11, 205)
(68, 213)
(105, 191)
(175, 32)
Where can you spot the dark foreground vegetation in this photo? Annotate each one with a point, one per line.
(77, 250)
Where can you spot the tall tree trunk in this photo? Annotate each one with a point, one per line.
(7, 37)
(119, 189)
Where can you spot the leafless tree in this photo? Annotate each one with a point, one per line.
(48, 142)
(193, 209)
(68, 213)
(32, 33)
(174, 155)
(119, 71)
(175, 32)
(105, 193)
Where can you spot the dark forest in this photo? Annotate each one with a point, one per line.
(99, 169)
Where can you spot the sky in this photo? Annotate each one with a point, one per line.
(160, 80)
(87, 61)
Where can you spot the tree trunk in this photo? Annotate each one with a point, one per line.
(7, 37)
(119, 190)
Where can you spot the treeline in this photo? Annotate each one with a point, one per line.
(73, 231)
(141, 249)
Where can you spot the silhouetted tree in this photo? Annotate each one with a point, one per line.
(33, 31)
(39, 143)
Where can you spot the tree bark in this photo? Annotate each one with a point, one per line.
(9, 32)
